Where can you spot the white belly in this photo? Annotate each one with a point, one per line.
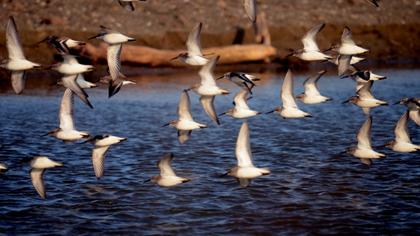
(314, 56)
(72, 69)
(196, 60)
(367, 153)
(405, 147)
(314, 99)
(188, 125)
(20, 64)
(244, 113)
(169, 181)
(351, 49)
(293, 113)
(208, 90)
(70, 135)
(116, 38)
(369, 103)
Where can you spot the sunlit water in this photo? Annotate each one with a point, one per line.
(311, 189)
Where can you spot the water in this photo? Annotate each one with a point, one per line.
(312, 188)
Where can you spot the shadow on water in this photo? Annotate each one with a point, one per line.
(311, 189)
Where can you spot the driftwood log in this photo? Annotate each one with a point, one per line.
(142, 55)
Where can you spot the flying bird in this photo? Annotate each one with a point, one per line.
(63, 45)
(243, 80)
(102, 144)
(16, 62)
(38, 166)
(402, 142)
(241, 109)
(413, 105)
(66, 131)
(185, 123)
(194, 56)
(245, 170)
(310, 51)
(348, 46)
(208, 89)
(289, 108)
(167, 176)
(364, 150)
(311, 94)
(365, 99)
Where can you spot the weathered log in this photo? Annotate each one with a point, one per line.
(142, 55)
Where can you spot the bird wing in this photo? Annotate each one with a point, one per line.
(14, 47)
(208, 104)
(66, 111)
(287, 97)
(310, 84)
(113, 59)
(38, 181)
(164, 165)
(346, 37)
(184, 135)
(184, 107)
(251, 9)
(206, 72)
(401, 131)
(241, 98)
(308, 40)
(343, 64)
(98, 160)
(363, 136)
(243, 148)
(69, 81)
(18, 81)
(364, 92)
(194, 41)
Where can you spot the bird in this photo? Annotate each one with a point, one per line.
(3, 168)
(245, 171)
(167, 176)
(311, 94)
(364, 150)
(365, 99)
(413, 105)
(194, 55)
(102, 144)
(16, 62)
(243, 80)
(82, 82)
(402, 142)
(128, 4)
(208, 89)
(346, 70)
(251, 9)
(114, 40)
(115, 85)
(63, 45)
(310, 51)
(348, 46)
(66, 130)
(241, 109)
(38, 165)
(71, 68)
(289, 108)
(185, 123)
(352, 61)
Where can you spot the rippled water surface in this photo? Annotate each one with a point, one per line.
(312, 187)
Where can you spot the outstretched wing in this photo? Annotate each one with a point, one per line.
(14, 47)
(38, 181)
(363, 136)
(66, 111)
(310, 84)
(194, 41)
(98, 160)
(208, 104)
(164, 165)
(401, 131)
(308, 40)
(184, 107)
(287, 97)
(243, 148)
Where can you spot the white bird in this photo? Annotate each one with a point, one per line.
(311, 94)
(208, 89)
(346, 70)
(310, 51)
(413, 105)
(3, 168)
(66, 130)
(243, 80)
(194, 55)
(364, 150)
(289, 108)
(185, 123)
(63, 45)
(111, 36)
(128, 4)
(16, 62)
(102, 144)
(353, 60)
(241, 109)
(365, 99)
(82, 82)
(245, 170)
(167, 176)
(402, 142)
(251, 9)
(348, 46)
(38, 166)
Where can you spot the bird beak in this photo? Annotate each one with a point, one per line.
(94, 37)
(270, 112)
(221, 77)
(222, 114)
(36, 44)
(90, 139)
(396, 103)
(174, 58)
(348, 100)
(147, 180)
(165, 125)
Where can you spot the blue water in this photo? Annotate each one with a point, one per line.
(312, 189)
